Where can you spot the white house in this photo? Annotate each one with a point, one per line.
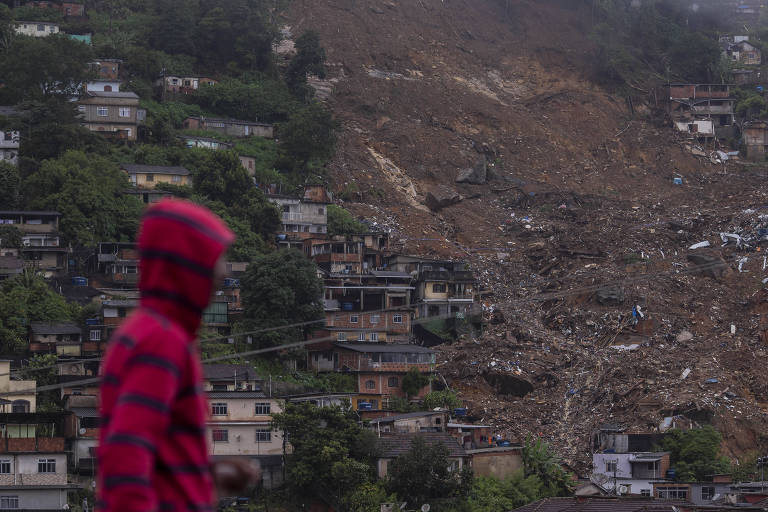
(37, 28)
(9, 146)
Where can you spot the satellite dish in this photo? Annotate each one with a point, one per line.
(425, 507)
(82, 431)
(623, 489)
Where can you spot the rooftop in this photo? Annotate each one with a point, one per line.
(384, 348)
(387, 273)
(229, 372)
(55, 328)
(405, 416)
(28, 212)
(154, 169)
(249, 395)
(393, 445)
(602, 504)
(131, 303)
(112, 94)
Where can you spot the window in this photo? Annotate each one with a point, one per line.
(672, 493)
(41, 28)
(374, 336)
(320, 211)
(95, 335)
(46, 465)
(150, 177)
(176, 179)
(353, 319)
(263, 435)
(393, 382)
(219, 409)
(369, 384)
(20, 406)
(611, 466)
(9, 502)
(262, 408)
(375, 319)
(645, 492)
(342, 336)
(438, 287)
(219, 387)
(361, 336)
(220, 435)
(89, 422)
(52, 29)
(707, 493)
(102, 111)
(125, 111)
(108, 88)
(174, 81)
(5, 466)
(81, 108)
(398, 318)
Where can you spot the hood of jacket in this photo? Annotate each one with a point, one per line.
(179, 245)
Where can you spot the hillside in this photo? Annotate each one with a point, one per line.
(582, 195)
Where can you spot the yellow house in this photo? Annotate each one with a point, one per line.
(148, 176)
(15, 395)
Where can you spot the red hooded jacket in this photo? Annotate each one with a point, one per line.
(152, 448)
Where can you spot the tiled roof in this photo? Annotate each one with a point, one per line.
(598, 504)
(113, 94)
(394, 445)
(236, 394)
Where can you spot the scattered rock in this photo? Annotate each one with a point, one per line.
(712, 266)
(610, 296)
(477, 175)
(441, 196)
(684, 336)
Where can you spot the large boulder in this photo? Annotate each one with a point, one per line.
(613, 296)
(708, 264)
(476, 175)
(441, 196)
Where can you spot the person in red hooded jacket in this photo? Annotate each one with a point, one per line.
(152, 451)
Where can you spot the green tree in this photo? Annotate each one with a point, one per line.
(281, 288)
(220, 176)
(10, 186)
(42, 370)
(341, 222)
(309, 59)
(308, 138)
(694, 454)
(745, 468)
(332, 455)
(43, 67)
(89, 192)
(27, 298)
(424, 474)
(446, 399)
(413, 382)
(540, 461)
(7, 31)
(10, 237)
(368, 497)
(490, 494)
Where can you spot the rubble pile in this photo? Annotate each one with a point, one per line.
(622, 276)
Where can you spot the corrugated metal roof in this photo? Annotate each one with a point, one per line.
(54, 328)
(229, 372)
(155, 169)
(394, 445)
(597, 504)
(385, 347)
(236, 394)
(85, 412)
(408, 415)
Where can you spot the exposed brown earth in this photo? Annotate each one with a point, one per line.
(580, 194)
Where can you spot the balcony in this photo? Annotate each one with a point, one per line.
(31, 444)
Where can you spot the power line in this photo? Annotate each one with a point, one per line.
(538, 298)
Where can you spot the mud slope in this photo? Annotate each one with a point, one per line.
(581, 194)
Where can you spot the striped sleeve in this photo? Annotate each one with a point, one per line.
(140, 419)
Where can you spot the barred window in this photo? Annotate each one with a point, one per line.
(219, 409)
(263, 435)
(46, 465)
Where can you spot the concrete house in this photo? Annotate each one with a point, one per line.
(231, 127)
(41, 249)
(191, 141)
(442, 288)
(240, 419)
(703, 110)
(743, 52)
(18, 402)
(303, 217)
(113, 114)
(64, 339)
(178, 84)
(68, 9)
(755, 137)
(392, 446)
(10, 265)
(33, 463)
(9, 146)
(106, 69)
(148, 176)
(410, 423)
(82, 429)
(32, 221)
(36, 28)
